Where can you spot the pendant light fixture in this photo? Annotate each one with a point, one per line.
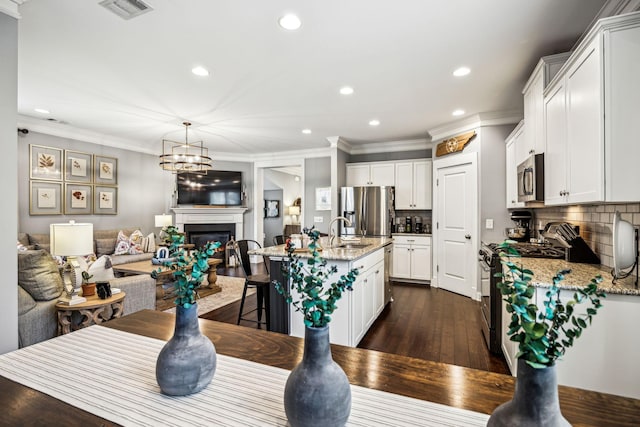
(185, 156)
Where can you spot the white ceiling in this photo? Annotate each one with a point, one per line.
(129, 83)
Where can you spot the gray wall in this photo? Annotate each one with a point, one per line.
(273, 226)
(317, 174)
(342, 160)
(395, 155)
(144, 190)
(9, 177)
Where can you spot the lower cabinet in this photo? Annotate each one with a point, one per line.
(357, 309)
(411, 257)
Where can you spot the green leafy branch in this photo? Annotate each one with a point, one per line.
(187, 270)
(307, 277)
(543, 335)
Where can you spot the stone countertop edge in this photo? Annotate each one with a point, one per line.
(335, 254)
(581, 274)
(412, 234)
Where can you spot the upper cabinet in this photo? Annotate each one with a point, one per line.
(533, 140)
(590, 110)
(378, 174)
(413, 184)
(513, 140)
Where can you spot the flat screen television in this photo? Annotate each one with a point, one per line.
(215, 188)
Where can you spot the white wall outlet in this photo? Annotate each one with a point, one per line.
(318, 219)
(489, 224)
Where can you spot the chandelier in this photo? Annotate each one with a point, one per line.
(185, 156)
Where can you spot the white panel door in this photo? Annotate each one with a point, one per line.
(457, 217)
(404, 185)
(358, 175)
(421, 262)
(401, 261)
(555, 158)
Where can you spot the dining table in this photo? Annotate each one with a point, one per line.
(383, 384)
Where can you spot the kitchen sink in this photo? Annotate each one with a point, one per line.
(352, 246)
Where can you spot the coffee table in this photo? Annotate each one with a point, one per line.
(165, 274)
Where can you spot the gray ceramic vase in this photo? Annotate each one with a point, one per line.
(317, 392)
(187, 362)
(535, 402)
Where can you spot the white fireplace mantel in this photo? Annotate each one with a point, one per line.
(211, 216)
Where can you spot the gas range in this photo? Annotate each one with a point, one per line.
(531, 250)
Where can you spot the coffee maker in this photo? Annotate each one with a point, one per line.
(417, 227)
(522, 230)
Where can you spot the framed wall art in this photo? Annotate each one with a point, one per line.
(105, 170)
(271, 208)
(78, 199)
(323, 199)
(45, 162)
(45, 198)
(78, 167)
(105, 200)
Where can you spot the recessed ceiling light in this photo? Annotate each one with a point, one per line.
(462, 71)
(41, 110)
(290, 22)
(306, 131)
(346, 90)
(458, 112)
(200, 71)
(374, 122)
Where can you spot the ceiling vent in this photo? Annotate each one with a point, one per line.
(126, 9)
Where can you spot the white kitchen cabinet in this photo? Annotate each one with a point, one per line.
(412, 257)
(590, 113)
(357, 309)
(378, 174)
(511, 178)
(413, 184)
(533, 139)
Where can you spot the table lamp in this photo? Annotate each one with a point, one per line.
(71, 240)
(294, 211)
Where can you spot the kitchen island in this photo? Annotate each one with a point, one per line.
(453, 386)
(357, 309)
(605, 358)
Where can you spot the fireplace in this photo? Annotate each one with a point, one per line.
(200, 234)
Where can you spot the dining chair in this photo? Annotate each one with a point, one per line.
(256, 279)
(280, 239)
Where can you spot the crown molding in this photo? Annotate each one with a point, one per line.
(339, 143)
(391, 146)
(10, 7)
(494, 118)
(283, 157)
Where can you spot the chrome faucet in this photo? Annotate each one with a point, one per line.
(331, 234)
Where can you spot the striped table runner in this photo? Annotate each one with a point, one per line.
(111, 374)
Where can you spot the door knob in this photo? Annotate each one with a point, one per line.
(467, 236)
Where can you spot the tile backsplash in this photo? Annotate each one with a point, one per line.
(595, 222)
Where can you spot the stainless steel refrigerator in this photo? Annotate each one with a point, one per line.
(370, 210)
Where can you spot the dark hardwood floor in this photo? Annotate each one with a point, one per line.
(422, 322)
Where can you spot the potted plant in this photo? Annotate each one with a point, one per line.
(188, 348)
(543, 335)
(317, 391)
(88, 288)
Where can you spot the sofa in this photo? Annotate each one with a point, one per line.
(40, 283)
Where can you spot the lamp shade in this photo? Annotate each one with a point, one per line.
(71, 239)
(163, 220)
(294, 210)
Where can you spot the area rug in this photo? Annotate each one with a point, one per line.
(231, 292)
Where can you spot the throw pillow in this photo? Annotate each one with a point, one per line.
(38, 274)
(40, 241)
(149, 243)
(105, 246)
(101, 269)
(128, 244)
(21, 247)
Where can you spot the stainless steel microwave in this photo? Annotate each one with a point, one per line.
(531, 179)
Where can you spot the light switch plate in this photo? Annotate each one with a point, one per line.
(489, 224)
(318, 219)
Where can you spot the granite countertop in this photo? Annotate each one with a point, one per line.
(581, 274)
(373, 244)
(412, 234)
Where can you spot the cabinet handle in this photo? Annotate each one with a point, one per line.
(377, 271)
(411, 240)
(467, 236)
(361, 267)
(513, 201)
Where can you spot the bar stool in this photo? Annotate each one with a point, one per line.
(259, 281)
